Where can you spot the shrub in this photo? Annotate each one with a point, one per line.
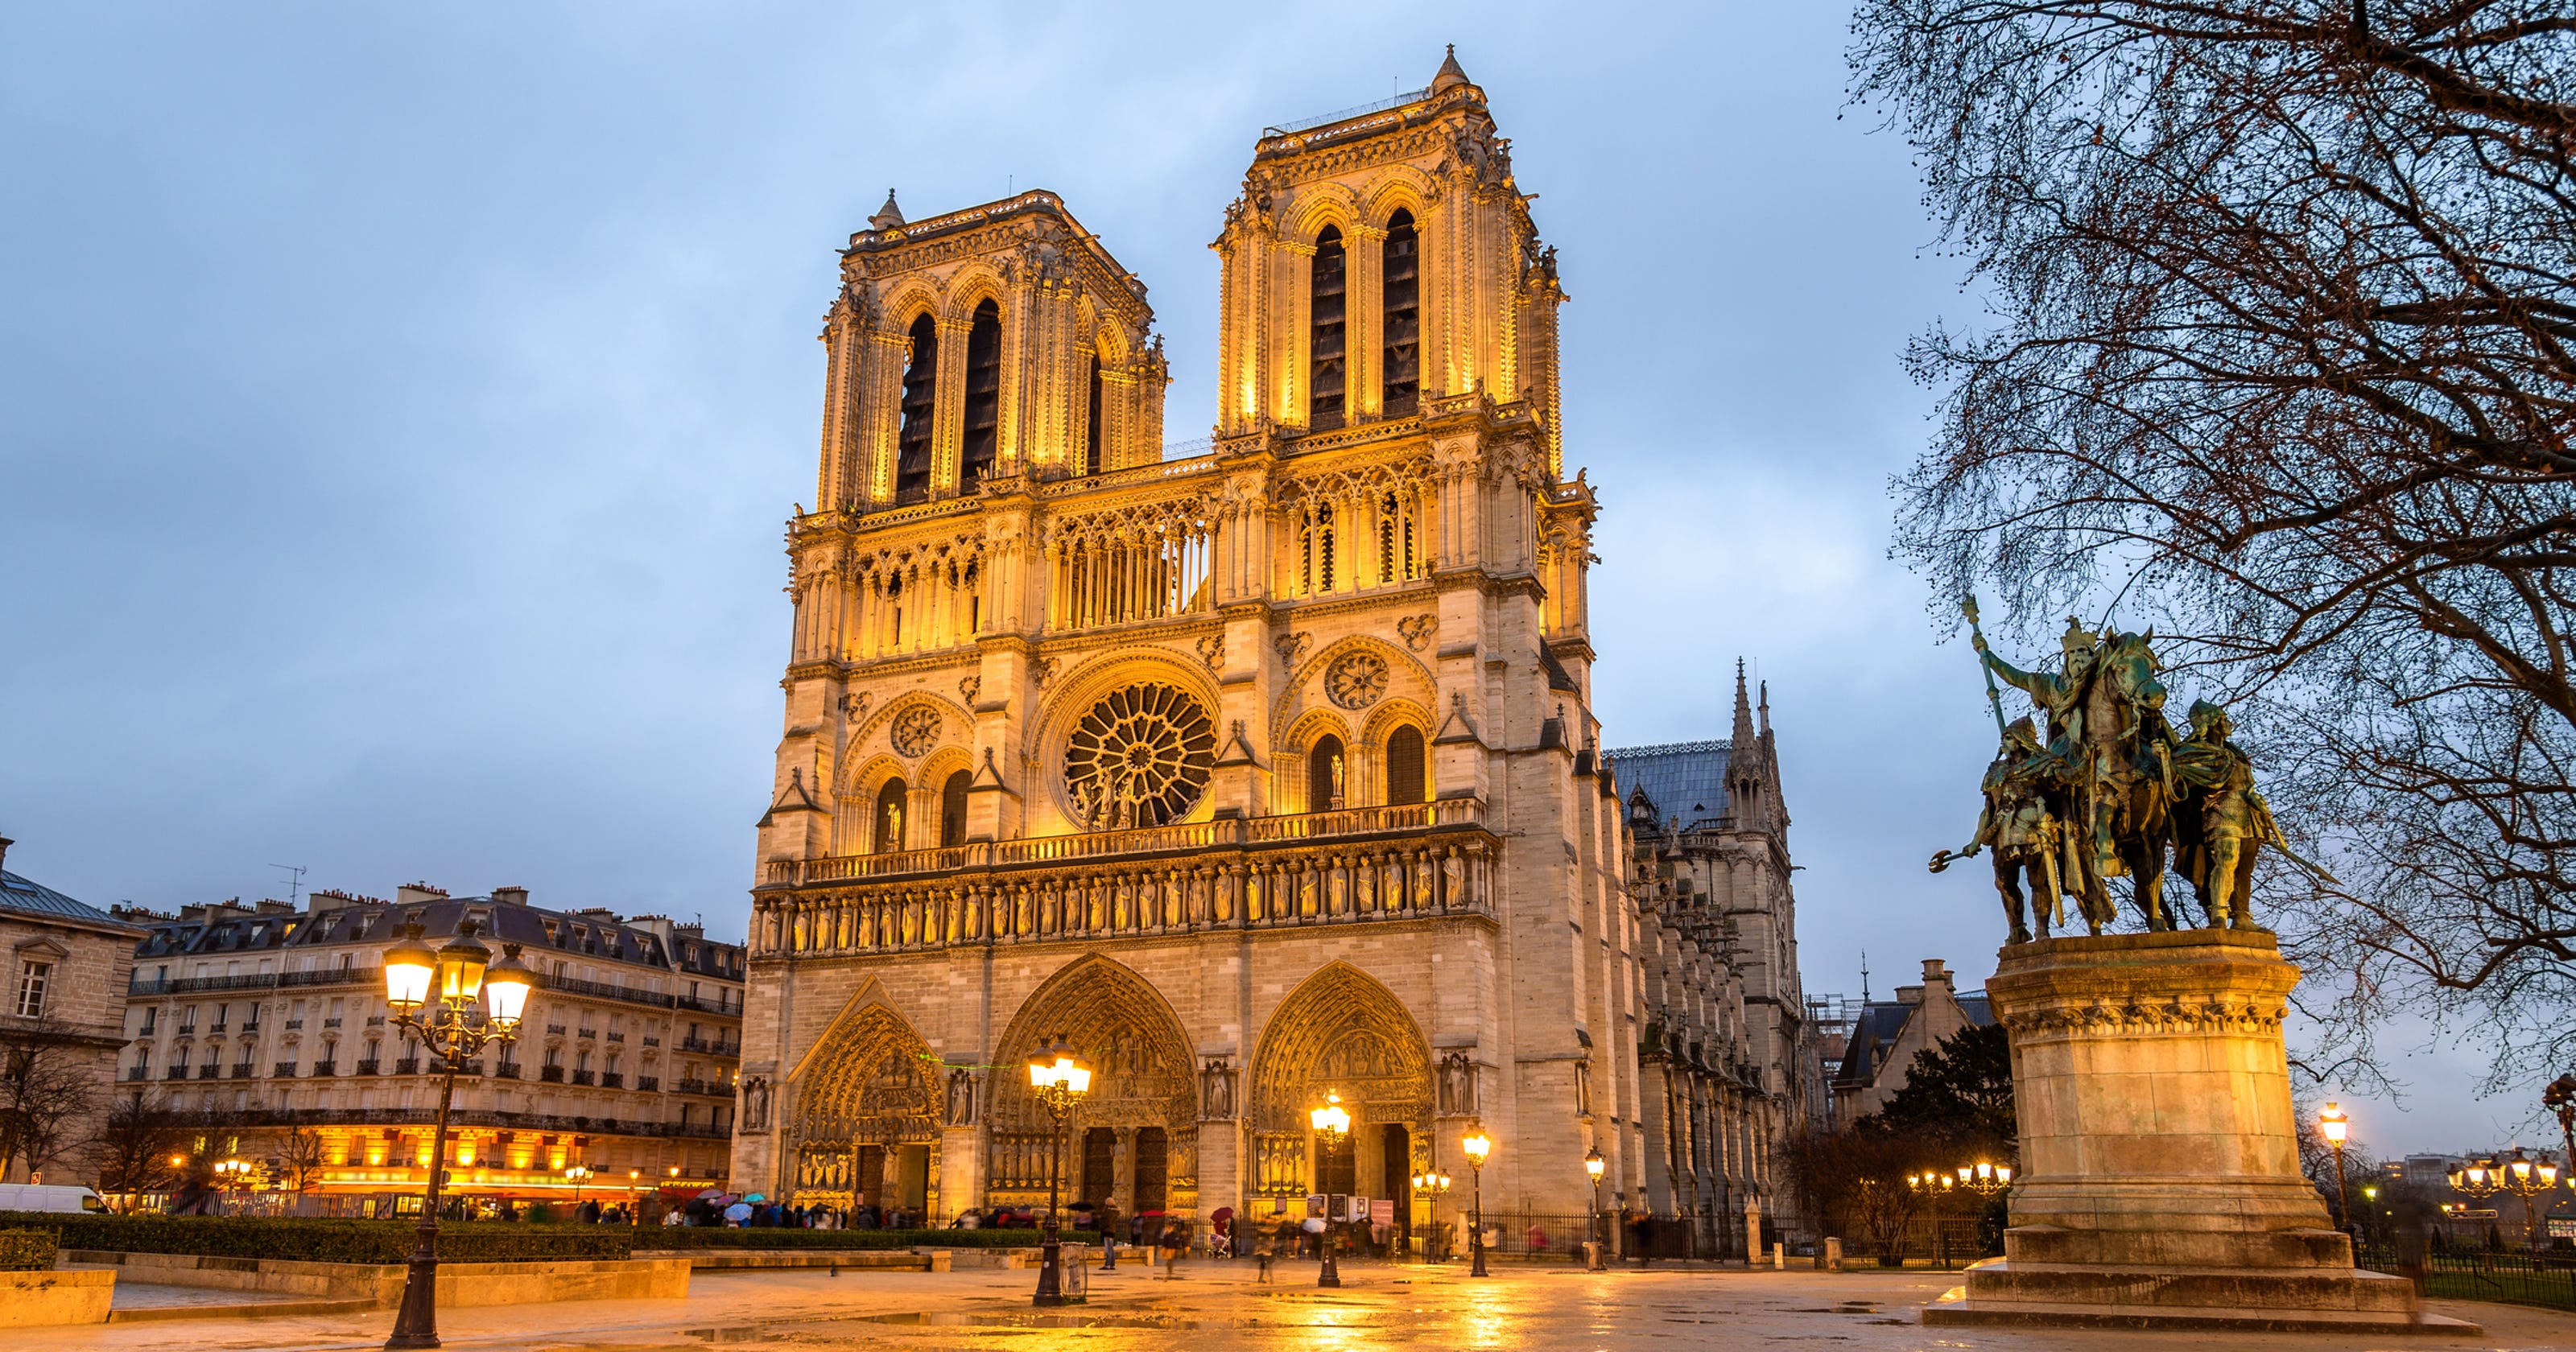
(765, 1237)
(26, 1251)
(329, 1241)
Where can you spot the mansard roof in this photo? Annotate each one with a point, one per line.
(29, 897)
(1679, 779)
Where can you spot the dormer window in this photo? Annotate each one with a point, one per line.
(1325, 317)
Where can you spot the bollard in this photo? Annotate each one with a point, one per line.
(1779, 1255)
(1833, 1255)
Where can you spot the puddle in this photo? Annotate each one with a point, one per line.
(1054, 1319)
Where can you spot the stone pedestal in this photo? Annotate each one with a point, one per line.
(2160, 1180)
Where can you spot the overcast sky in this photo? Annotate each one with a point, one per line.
(400, 405)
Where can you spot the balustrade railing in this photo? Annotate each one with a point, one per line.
(1266, 873)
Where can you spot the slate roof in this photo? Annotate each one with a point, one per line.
(26, 894)
(1878, 1025)
(1682, 779)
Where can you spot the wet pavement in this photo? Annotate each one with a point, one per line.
(1218, 1307)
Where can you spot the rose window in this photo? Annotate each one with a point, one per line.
(916, 730)
(1139, 758)
(1356, 681)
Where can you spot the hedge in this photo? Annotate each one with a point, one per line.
(26, 1251)
(311, 1240)
(786, 1237)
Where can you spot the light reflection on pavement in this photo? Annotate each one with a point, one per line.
(1216, 1307)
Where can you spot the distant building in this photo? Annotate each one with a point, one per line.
(1731, 1065)
(66, 960)
(1886, 1034)
(264, 1018)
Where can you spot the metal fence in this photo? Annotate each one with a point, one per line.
(2515, 1277)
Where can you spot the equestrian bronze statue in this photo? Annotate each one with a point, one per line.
(2111, 788)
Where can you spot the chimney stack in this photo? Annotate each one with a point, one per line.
(510, 896)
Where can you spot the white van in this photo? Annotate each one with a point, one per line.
(48, 1197)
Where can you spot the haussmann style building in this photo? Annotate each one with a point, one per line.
(1259, 770)
(261, 1019)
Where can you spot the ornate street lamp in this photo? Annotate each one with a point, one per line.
(1985, 1177)
(1332, 1122)
(1060, 1079)
(433, 992)
(1477, 1145)
(2336, 1126)
(1433, 1185)
(1593, 1164)
(1936, 1185)
(2527, 1179)
(577, 1174)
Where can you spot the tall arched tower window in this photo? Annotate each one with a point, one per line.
(952, 809)
(920, 410)
(1396, 552)
(983, 395)
(1315, 550)
(1401, 369)
(1091, 457)
(889, 833)
(1404, 766)
(1324, 775)
(1325, 314)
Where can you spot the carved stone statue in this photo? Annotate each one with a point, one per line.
(1216, 1090)
(755, 1104)
(2024, 834)
(1457, 1085)
(961, 1098)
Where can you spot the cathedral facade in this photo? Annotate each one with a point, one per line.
(1259, 773)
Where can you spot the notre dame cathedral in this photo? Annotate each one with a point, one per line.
(1261, 771)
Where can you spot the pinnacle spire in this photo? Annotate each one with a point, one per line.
(1449, 73)
(1743, 732)
(888, 216)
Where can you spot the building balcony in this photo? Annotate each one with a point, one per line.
(409, 1065)
(617, 1037)
(695, 1087)
(133, 1073)
(368, 1067)
(293, 1025)
(652, 1041)
(508, 1070)
(479, 1117)
(589, 1033)
(241, 1070)
(555, 1029)
(323, 1070)
(332, 1022)
(649, 1083)
(375, 1021)
(612, 1079)
(605, 991)
(176, 1073)
(584, 1077)
(284, 1070)
(550, 1074)
(209, 1071)
(1409, 862)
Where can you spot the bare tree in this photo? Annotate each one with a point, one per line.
(51, 1081)
(144, 1146)
(300, 1157)
(2284, 349)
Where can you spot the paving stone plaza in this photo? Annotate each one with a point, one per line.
(1431, 1308)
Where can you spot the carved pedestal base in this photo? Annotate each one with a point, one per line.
(2160, 1180)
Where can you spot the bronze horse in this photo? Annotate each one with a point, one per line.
(2121, 783)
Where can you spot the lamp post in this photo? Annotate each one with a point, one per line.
(433, 992)
(2527, 1178)
(1477, 1145)
(1331, 1121)
(1936, 1185)
(1593, 1164)
(1433, 1185)
(577, 1175)
(1060, 1079)
(2336, 1126)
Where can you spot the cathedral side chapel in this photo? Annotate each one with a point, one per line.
(1258, 772)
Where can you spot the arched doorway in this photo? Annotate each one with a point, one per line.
(865, 1127)
(1137, 1128)
(1341, 1032)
